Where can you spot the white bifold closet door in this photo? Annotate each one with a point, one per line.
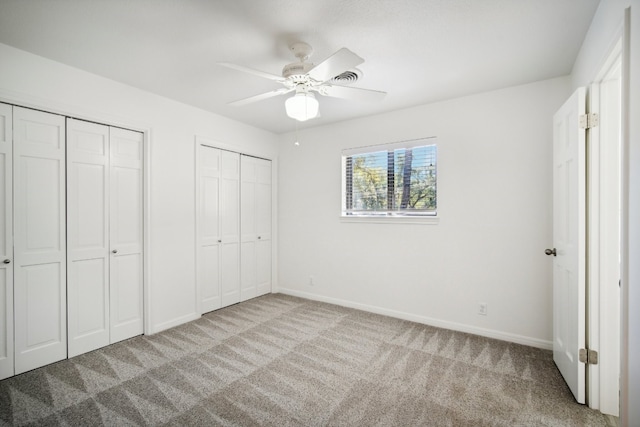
(218, 237)
(105, 238)
(6, 242)
(40, 298)
(255, 226)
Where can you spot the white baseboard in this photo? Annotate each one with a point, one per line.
(489, 333)
(174, 322)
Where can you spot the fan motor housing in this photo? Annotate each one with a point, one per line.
(296, 68)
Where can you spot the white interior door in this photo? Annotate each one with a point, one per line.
(88, 235)
(208, 238)
(126, 233)
(40, 300)
(6, 242)
(569, 206)
(230, 228)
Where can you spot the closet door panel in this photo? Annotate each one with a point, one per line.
(230, 197)
(88, 235)
(209, 237)
(43, 308)
(263, 226)
(209, 278)
(126, 234)
(263, 267)
(39, 239)
(263, 199)
(230, 273)
(127, 209)
(248, 277)
(230, 228)
(126, 296)
(6, 242)
(248, 198)
(248, 288)
(6, 323)
(40, 212)
(88, 304)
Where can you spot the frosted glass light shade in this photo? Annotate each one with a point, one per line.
(302, 106)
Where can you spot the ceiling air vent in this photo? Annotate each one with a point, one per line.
(348, 77)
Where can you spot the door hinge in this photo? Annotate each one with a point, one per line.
(588, 121)
(590, 357)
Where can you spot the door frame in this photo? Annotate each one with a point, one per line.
(209, 142)
(83, 113)
(603, 319)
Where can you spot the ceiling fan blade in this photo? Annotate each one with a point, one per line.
(267, 95)
(337, 63)
(352, 93)
(252, 71)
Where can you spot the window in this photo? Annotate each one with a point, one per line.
(390, 180)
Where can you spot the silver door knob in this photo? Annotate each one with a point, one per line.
(550, 251)
(7, 261)
(219, 240)
(115, 251)
(259, 237)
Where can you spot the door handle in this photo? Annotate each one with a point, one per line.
(115, 251)
(259, 237)
(7, 261)
(550, 251)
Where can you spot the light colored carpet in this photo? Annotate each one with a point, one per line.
(284, 361)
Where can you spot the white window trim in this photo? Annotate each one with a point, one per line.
(373, 219)
(411, 143)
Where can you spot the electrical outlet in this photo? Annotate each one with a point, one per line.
(312, 281)
(482, 308)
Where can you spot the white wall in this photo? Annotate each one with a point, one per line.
(34, 81)
(605, 30)
(494, 204)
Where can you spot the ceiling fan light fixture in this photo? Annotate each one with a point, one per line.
(302, 106)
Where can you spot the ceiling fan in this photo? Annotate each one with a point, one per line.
(304, 78)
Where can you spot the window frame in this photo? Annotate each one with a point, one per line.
(389, 216)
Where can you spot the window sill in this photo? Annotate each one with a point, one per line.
(426, 220)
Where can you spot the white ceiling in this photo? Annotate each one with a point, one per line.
(419, 51)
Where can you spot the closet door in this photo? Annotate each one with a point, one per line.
(126, 233)
(263, 226)
(40, 299)
(256, 227)
(209, 239)
(88, 235)
(230, 228)
(6, 242)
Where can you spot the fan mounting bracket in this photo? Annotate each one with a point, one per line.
(301, 50)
